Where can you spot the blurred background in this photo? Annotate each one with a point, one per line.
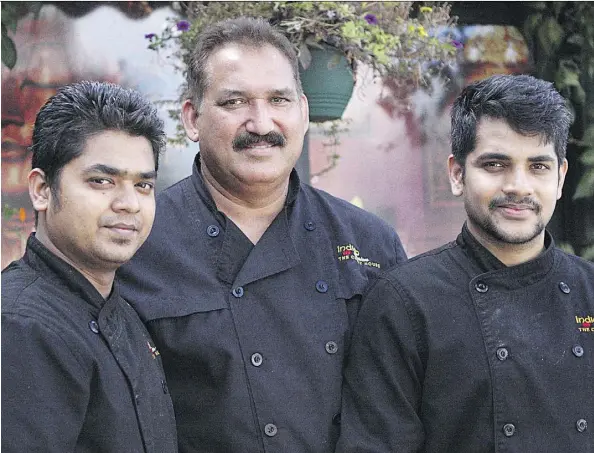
(388, 160)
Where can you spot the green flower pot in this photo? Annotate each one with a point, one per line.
(328, 84)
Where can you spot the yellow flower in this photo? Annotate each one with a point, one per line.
(426, 9)
(422, 31)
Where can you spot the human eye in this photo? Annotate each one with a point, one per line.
(279, 100)
(145, 186)
(540, 167)
(230, 103)
(100, 182)
(493, 166)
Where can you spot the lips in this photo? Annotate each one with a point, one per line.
(516, 207)
(123, 228)
(515, 211)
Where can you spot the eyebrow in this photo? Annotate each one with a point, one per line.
(500, 156)
(278, 92)
(543, 158)
(112, 171)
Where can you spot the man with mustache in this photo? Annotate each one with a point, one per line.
(484, 344)
(246, 281)
(80, 372)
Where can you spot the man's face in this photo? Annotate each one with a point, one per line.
(105, 204)
(510, 184)
(252, 121)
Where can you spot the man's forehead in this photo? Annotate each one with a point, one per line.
(234, 58)
(498, 135)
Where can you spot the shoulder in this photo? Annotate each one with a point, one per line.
(30, 301)
(424, 268)
(353, 232)
(17, 278)
(337, 208)
(575, 265)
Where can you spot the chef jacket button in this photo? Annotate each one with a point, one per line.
(502, 353)
(94, 326)
(336, 419)
(164, 386)
(321, 286)
(238, 292)
(564, 287)
(577, 350)
(256, 359)
(331, 347)
(481, 287)
(270, 430)
(213, 231)
(581, 425)
(309, 225)
(509, 429)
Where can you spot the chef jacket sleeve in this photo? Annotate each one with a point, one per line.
(383, 378)
(44, 393)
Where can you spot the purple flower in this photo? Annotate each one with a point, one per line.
(371, 19)
(183, 25)
(457, 44)
(150, 36)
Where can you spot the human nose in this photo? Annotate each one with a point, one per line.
(260, 120)
(126, 199)
(518, 183)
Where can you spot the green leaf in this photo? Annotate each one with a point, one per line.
(587, 157)
(531, 24)
(8, 49)
(550, 36)
(585, 187)
(588, 138)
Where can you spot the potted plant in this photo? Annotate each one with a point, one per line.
(335, 39)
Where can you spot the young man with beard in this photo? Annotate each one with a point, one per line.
(80, 372)
(242, 281)
(483, 345)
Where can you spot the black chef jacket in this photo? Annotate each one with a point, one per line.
(253, 336)
(455, 352)
(79, 373)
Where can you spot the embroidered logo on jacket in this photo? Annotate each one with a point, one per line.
(153, 350)
(585, 323)
(350, 252)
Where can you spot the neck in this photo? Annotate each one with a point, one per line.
(510, 254)
(251, 209)
(102, 280)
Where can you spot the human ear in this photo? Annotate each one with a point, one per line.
(189, 116)
(305, 111)
(562, 172)
(39, 190)
(456, 175)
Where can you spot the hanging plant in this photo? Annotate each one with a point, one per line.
(393, 39)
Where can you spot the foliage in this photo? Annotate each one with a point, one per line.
(394, 39)
(11, 13)
(561, 36)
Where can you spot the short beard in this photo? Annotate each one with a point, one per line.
(490, 228)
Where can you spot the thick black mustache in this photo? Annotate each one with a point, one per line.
(246, 139)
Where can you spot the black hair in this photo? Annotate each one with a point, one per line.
(246, 31)
(530, 106)
(83, 109)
